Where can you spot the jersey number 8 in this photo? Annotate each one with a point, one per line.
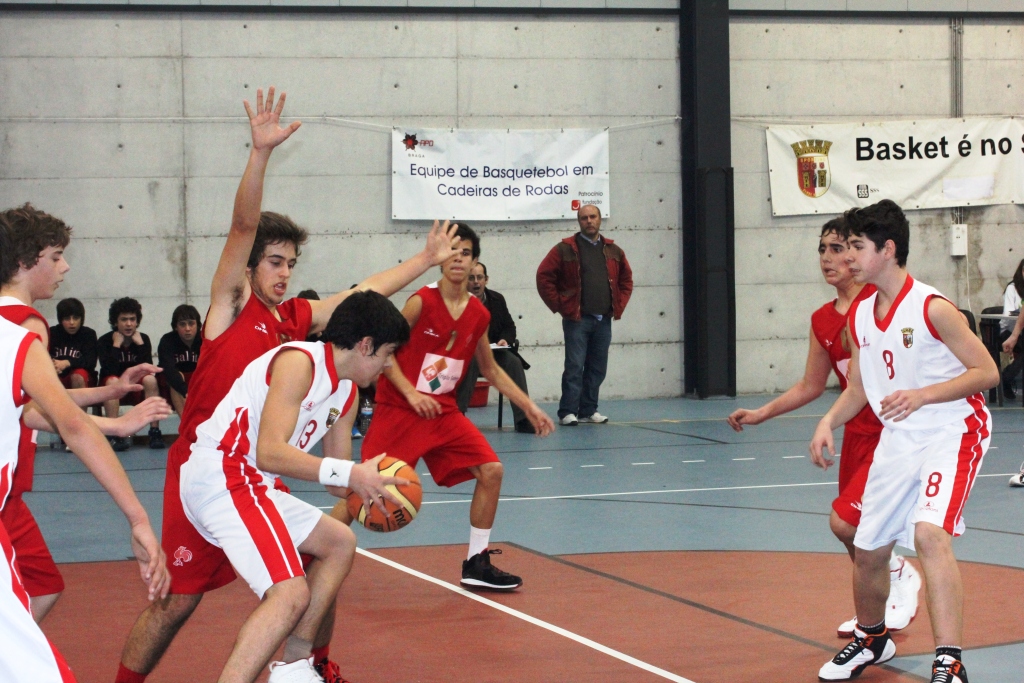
(889, 369)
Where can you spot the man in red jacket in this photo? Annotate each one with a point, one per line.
(587, 279)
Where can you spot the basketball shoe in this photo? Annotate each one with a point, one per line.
(300, 671)
(860, 653)
(478, 572)
(947, 669)
(594, 419)
(1018, 479)
(329, 671)
(901, 608)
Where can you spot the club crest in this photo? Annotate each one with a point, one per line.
(812, 171)
(332, 416)
(908, 336)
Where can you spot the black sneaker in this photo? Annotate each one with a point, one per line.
(1008, 390)
(947, 669)
(862, 652)
(156, 438)
(478, 572)
(119, 443)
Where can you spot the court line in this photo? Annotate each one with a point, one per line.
(622, 657)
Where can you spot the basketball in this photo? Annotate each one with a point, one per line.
(410, 494)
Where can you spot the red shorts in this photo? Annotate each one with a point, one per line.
(132, 399)
(857, 453)
(84, 374)
(449, 444)
(165, 388)
(39, 572)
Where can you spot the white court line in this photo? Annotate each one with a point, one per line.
(540, 468)
(643, 463)
(694, 460)
(789, 457)
(744, 458)
(591, 465)
(529, 619)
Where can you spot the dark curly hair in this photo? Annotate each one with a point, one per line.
(366, 314)
(880, 223)
(30, 232)
(124, 305)
(275, 228)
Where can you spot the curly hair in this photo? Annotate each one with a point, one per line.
(124, 305)
(275, 228)
(880, 223)
(30, 232)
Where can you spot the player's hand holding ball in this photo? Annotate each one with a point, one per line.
(385, 494)
(820, 443)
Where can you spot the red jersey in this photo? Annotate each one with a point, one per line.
(17, 312)
(439, 349)
(254, 332)
(829, 327)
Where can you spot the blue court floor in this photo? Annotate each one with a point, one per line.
(662, 475)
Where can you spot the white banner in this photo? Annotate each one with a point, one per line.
(497, 175)
(917, 164)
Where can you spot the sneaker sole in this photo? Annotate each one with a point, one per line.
(476, 583)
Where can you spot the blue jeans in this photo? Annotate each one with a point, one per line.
(586, 363)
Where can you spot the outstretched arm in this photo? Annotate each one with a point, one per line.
(846, 407)
(152, 409)
(542, 423)
(40, 382)
(810, 387)
(441, 245)
(230, 288)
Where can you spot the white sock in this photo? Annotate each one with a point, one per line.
(478, 540)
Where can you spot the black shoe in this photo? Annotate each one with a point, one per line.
(859, 654)
(119, 443)
(1008, 391)
(478, 572)
(524, 427)
(946, 669)
(156, 438)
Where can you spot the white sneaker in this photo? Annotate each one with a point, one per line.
(569, 421)
(300, 671)
(1018, 479)
(904, 585)
(595, 419)
(845, 629)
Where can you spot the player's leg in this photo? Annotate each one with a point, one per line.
(113, 406)
(945, 588)
(871, 583)
(844, 531)
(78, 379)
(153, 633)
(150, 387)
(39, 573)
(595, 368)
(177, 401)
(576, 335)
(262, 633)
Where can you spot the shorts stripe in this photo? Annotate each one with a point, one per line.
(257, 512)
(66, 676)
(16, 586)
(968, 461)
(5, 484)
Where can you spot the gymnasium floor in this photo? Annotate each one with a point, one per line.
(661, 546)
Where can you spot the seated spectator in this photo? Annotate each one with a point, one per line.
(73, 346)
(121, 348)
(502, 331)
(1010, 333)
(178, 353)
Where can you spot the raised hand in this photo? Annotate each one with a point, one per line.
(265, 121)
(442, 243)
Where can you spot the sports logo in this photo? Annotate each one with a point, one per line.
(812, 172)
(260, 327)
(439, 374)
(181, 556)
(308, 405)
(411, 142)
(908, 336)
(431, 372)
(332, 416)
(576, 204)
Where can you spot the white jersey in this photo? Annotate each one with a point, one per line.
(233, 429)
(904, 351)
(14, 343)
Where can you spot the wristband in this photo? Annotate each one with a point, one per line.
(335, 472)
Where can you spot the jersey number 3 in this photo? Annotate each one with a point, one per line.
(889, 369)
(307, 434)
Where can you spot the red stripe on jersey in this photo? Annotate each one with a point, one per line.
(270, 367)
(927, 320)
(883, 324)
(257, 512)
(5, 484)
(851, 316)
(332, 371)
(968, 461)
(16, 586)
(66, 676)
(350, 400)
(20, 397)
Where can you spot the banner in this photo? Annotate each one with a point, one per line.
(917, 164)
(497, 175)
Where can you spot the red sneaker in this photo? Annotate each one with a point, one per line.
(329, 671)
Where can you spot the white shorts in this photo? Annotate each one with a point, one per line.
(26, 656)
(921, 476)
(258, 527)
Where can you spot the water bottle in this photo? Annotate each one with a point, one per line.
(365, 414)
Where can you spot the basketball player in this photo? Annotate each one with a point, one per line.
(37, 242)
(248, 316)
(283, 404)
(922, 371)
(417, 414)
(25, 364)
(829, 349)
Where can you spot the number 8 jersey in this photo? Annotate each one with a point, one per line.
(905, 351)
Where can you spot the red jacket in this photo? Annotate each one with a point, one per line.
(559, 282)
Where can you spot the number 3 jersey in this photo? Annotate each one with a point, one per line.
(233, 429)
(905, 351)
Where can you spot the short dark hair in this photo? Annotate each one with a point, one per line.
(880, 223)
(185, 312)
(836, 225)
(309, 294)
(366, 314)
(1018, 279)
(70, 308)
(275, 228)
(124, 305)
(464, 232)
(481, 264)
(8, 264)
(31, 231)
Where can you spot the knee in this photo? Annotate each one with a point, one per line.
(931, 540)
(872, 560)
(491, 474)
(844, 531)
(110, 380)
(291, 595)
(175, 609)
(149, 383)
(77, 382)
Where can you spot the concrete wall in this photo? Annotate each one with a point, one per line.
(107, 123)
(804, 70)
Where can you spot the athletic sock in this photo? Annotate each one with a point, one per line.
(951, 650)
(895, 562)
(478, 540)
(874, 630)
(126, 675)
(320, 653)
